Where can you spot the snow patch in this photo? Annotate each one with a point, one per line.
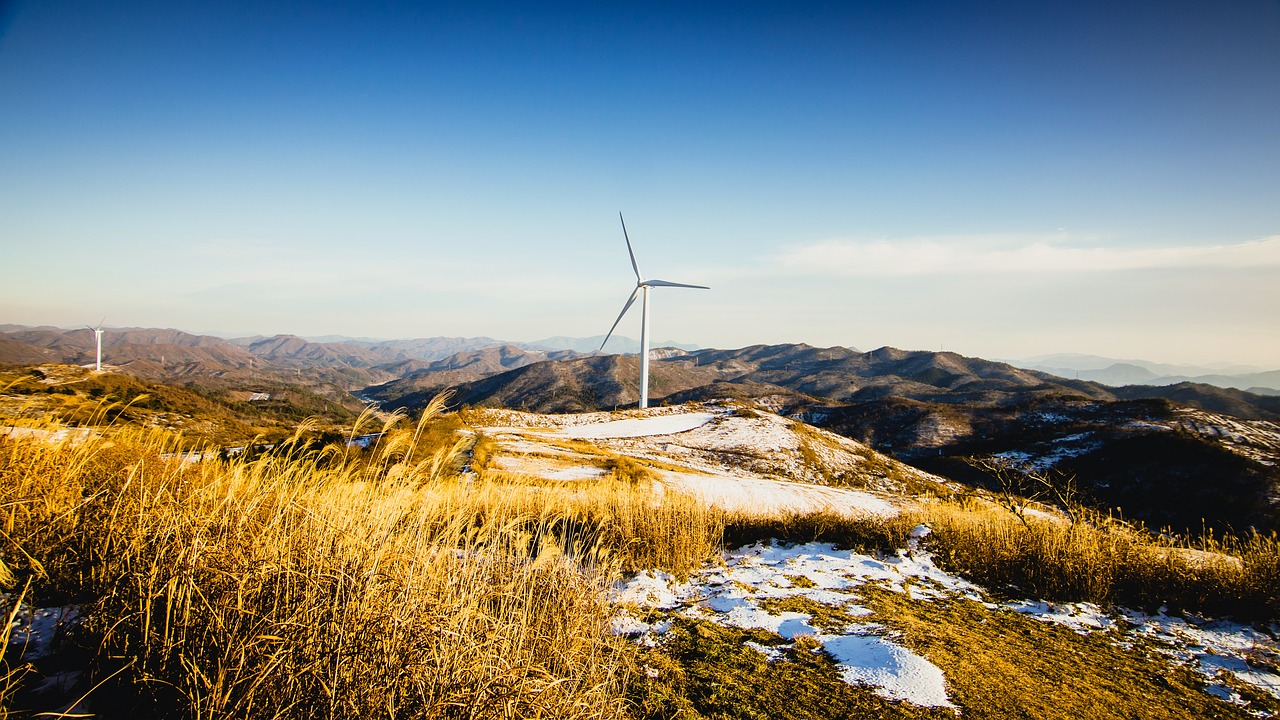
(895, 672)
(1081, 617)
(1213, 647)
(734, 595)
(650, 588)
(732, 492)
(638, 427)
(33, 632)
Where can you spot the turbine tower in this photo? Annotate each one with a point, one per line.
(642, 289)
(97, 335)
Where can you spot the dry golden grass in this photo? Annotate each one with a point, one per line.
(321, 584)
(628, 470)
(704, 670)
(1102, 560)
(337, 583)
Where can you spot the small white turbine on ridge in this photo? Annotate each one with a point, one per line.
(642, 289)
(97, 334)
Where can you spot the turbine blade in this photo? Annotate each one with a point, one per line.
(634, 266)
(625, 308)
(667, 283)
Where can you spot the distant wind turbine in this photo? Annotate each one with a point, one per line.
(97, 334)
(642, 288)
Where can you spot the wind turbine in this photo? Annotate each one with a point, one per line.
(97, 334)
(642, 289)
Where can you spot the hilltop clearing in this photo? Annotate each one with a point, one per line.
(731, 457)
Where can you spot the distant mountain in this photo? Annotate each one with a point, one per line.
(10, 327)
(293, 351)
(158, 336)
(434, 348)
(1114, 374)
(1109, 371)
(1269, 380)
(16, 352)
(590, 383)
(420, 379)
(437, 348)
(387, 351)
(1229, 401)
(122, 346)
(164, 354)
(617, 344)
(1078, 362)
(67, 345)
(1121, 374)
(344, 338)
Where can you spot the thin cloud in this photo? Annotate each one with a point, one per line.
(969, 255)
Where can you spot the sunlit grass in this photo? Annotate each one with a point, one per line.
(384, 585)
(339, 582)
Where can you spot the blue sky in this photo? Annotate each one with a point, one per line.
(1000, 181)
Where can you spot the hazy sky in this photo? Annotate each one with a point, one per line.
(1000, 179)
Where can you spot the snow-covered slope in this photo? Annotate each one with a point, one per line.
(731, 457)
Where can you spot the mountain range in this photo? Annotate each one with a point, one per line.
(440, 347)
(787, 377)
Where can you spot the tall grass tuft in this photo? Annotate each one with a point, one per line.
(855, 533)
(1104, 560)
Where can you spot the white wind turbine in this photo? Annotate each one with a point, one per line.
(97, 334)
(642, 288)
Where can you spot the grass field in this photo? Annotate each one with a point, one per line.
(334, 582)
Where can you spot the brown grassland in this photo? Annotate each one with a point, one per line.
(397, 582)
